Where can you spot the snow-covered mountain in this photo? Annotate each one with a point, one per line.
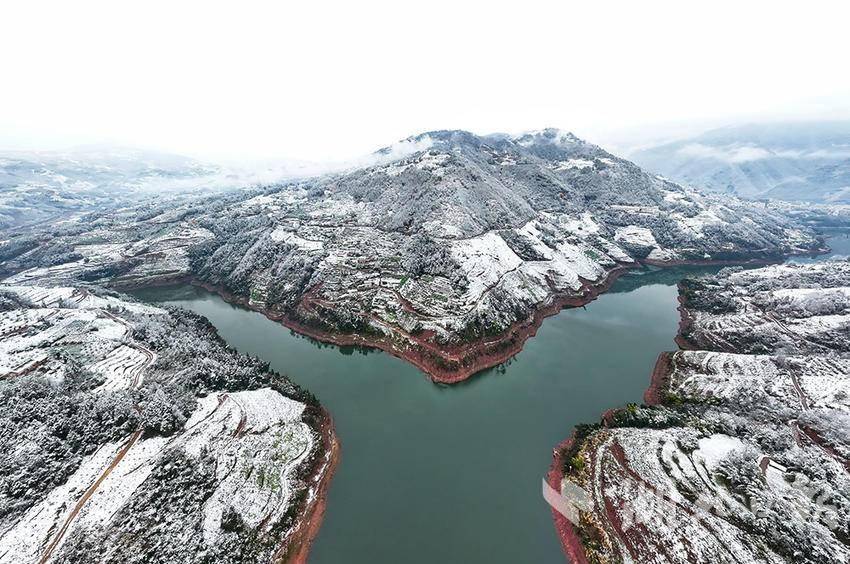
(806, 161)
(448, 252)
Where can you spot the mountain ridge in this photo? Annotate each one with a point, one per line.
(444, 253)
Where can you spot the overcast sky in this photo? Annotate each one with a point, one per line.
(328, 81)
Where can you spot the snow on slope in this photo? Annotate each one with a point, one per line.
(258, 439)
(33, 533)
(485, 260)
(463, 239)
(746, 456)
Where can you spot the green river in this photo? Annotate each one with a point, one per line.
(452, 474)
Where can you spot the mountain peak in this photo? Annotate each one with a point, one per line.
(551, 135)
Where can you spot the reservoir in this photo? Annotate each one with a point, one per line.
(432, 473)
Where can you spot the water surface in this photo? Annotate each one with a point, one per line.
(839, 245)
(452, 474)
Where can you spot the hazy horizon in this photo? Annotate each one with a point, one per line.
(330, 84)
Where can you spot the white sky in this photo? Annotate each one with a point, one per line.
(327, 81)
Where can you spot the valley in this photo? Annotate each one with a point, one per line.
(494, 432)
(452, 473)
(408, 283)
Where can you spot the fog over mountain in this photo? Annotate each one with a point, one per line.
(806, 161)
(40, 185)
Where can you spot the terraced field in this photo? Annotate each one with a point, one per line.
(791, 309)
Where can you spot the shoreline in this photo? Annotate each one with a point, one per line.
(685, 322)
(567, 532)
(468, 358)
(653, 395)
(564, 528)
(452, 364)
(300, 538)
(659, 379)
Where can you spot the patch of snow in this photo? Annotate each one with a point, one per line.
(584, 225)
(258, 439)
(282, 234)
(715, 448)
(25, 541)
(632, 234)
(580, 164)
(484, 259)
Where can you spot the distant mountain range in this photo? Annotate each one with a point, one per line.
(38, 186)
(804, 161)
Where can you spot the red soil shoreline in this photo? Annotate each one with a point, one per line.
(450, 364)
(469, 358)
(296, 547)
(567, 534)
(566, 531)
(474, 356)
(685, 322)
(659, 380)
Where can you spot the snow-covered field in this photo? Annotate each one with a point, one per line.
(259, 440)
(764, 382)
(30, 537)
(74, 322)
(162, 255)
(788, 309)
(643, 474)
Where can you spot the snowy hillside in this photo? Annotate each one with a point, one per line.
(130, 433)
(783, 309)
(743, 457)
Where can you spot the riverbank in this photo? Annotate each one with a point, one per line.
(447, 364)
(451, 363)
(295, 548)
(659, 379)
(566, 531)
(655, 394)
